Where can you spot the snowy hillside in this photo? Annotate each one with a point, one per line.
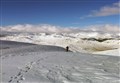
(50, 64)
(85, 42)
(114, 52)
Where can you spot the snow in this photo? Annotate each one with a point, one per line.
(115, 52)
(58, 67)
(73, 40)
(41, 58)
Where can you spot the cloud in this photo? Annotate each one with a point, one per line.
(46, 28)
(104, 28)
(105, 11)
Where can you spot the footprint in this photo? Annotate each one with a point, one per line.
(19, 74)
(15, 77)
(10, 81)
(18, 81)
(22, 78)
(11, 78)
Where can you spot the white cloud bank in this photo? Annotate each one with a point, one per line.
(113, 9)
(105, 28)
(38, 28)
(45, 28)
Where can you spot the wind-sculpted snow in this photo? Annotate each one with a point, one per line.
(51, 64)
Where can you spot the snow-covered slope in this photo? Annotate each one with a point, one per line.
(115, 52)
(86, 42)
(56, 66)
(8, 47)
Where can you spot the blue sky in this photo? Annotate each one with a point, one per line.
(59, 12)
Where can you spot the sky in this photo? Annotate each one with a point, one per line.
(64, 13)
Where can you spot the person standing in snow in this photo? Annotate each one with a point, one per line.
(67, 49)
